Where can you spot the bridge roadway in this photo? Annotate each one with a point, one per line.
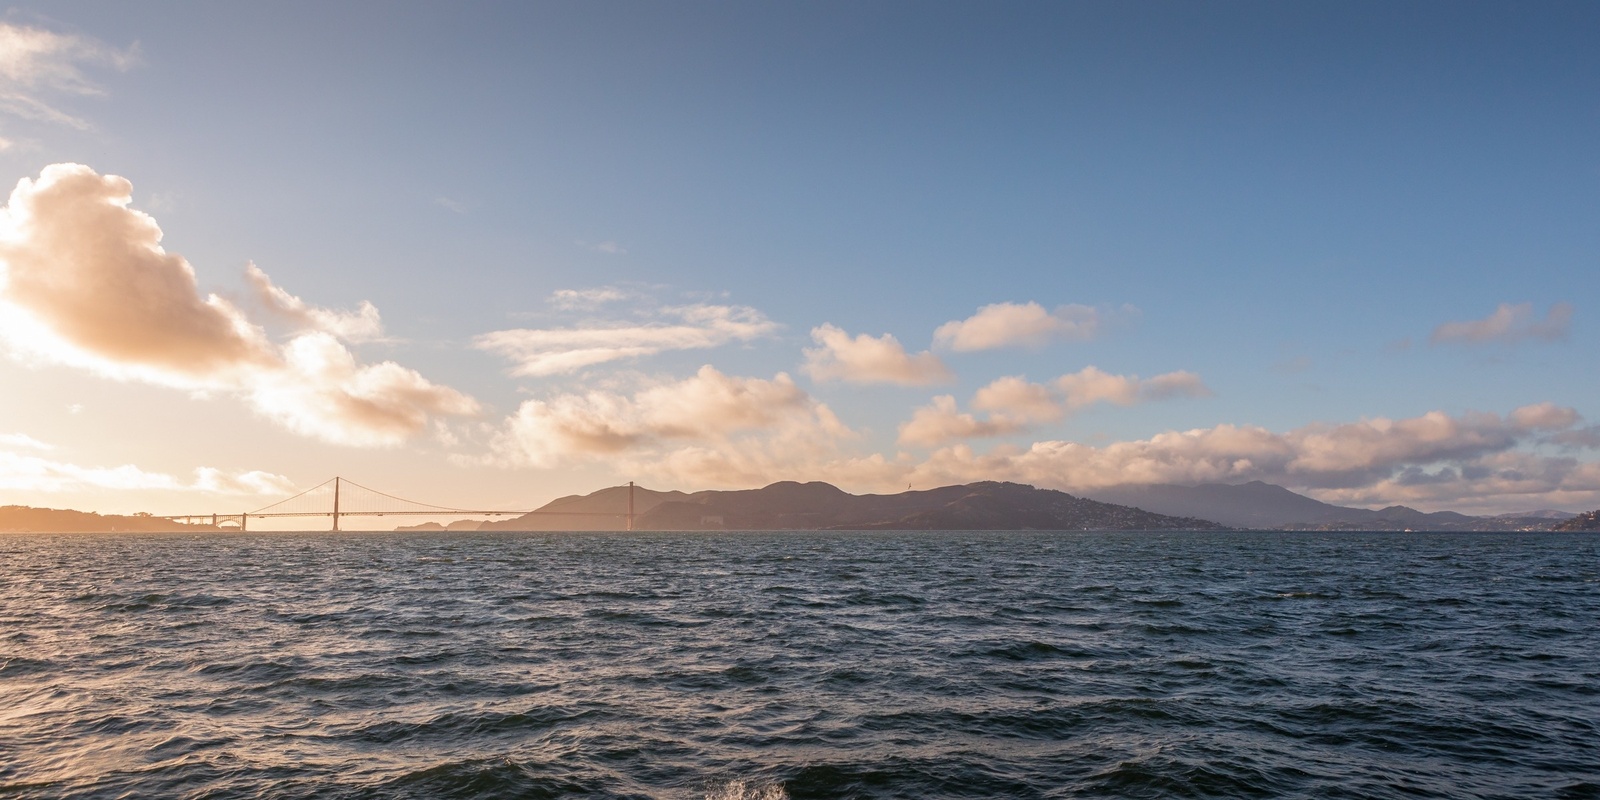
(242, 520)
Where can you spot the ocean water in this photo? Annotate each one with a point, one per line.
(800, 665)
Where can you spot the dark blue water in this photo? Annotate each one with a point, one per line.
(800, 665)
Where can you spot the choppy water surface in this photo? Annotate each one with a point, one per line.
(800, 665)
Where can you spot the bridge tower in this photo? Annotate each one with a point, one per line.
(336, 504)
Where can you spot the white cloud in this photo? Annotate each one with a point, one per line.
(35, 63)
(941, 422)
(1018, 324)
(1508, 324)
(84, 282)
(609, 248)
(1092, 385)
(708, 409)
(22, 440)
(1015, 405)
(551, 351)
(322, 392)
(1016, 398)
(31, 473)
(361, 325)
(868, 359)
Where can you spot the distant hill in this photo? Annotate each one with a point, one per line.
(1264, 505)
(815, 506)
(605, 510)
(25, 519)
(1582, 522)
(432, 527)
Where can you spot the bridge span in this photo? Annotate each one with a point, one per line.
(338, 498)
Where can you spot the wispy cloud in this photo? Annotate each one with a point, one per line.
(585, 299)
(870, 359)
(609, 248)
(450, 204)
(29, 472)
(361, 325)
(88, 285)
(1020, 324)
(37, 64)
(22, 441)
(1508, 324)
(32, 474)
(550, 351)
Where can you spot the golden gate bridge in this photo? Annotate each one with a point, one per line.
(338, 498)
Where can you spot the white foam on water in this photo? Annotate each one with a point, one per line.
(743, 790)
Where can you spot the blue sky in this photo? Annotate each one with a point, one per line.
(1284, 201)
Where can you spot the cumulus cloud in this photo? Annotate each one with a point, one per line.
(1092, 385)
(941, 422)
(1015, 405)
(552, 351)
(869, 359)
(321, 391)
(708, 408)
(1508, 324)
(1018, 399)
(37, 63)
(1018, 324)
(1371, 459)
(360, 325)
(85, 282)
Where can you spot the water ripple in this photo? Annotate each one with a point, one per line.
(784, 666)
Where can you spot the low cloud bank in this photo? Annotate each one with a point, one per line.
(1468, 460)
(32, 472)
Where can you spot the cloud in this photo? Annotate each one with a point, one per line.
(1092, 385)
(1371, 458)
(1016, 398)
(609, 248)
(360, 325)
(1018, 324)
(1508, 324)
(573, 299)
(867, 359)
(708, 408)
(941, 422)
(22, 440)
(1016, 405)
(550, 351)
(322, 392)
(31, 473)
(85, 282)
(36, 62)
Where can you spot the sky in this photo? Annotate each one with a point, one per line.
(485, 255)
